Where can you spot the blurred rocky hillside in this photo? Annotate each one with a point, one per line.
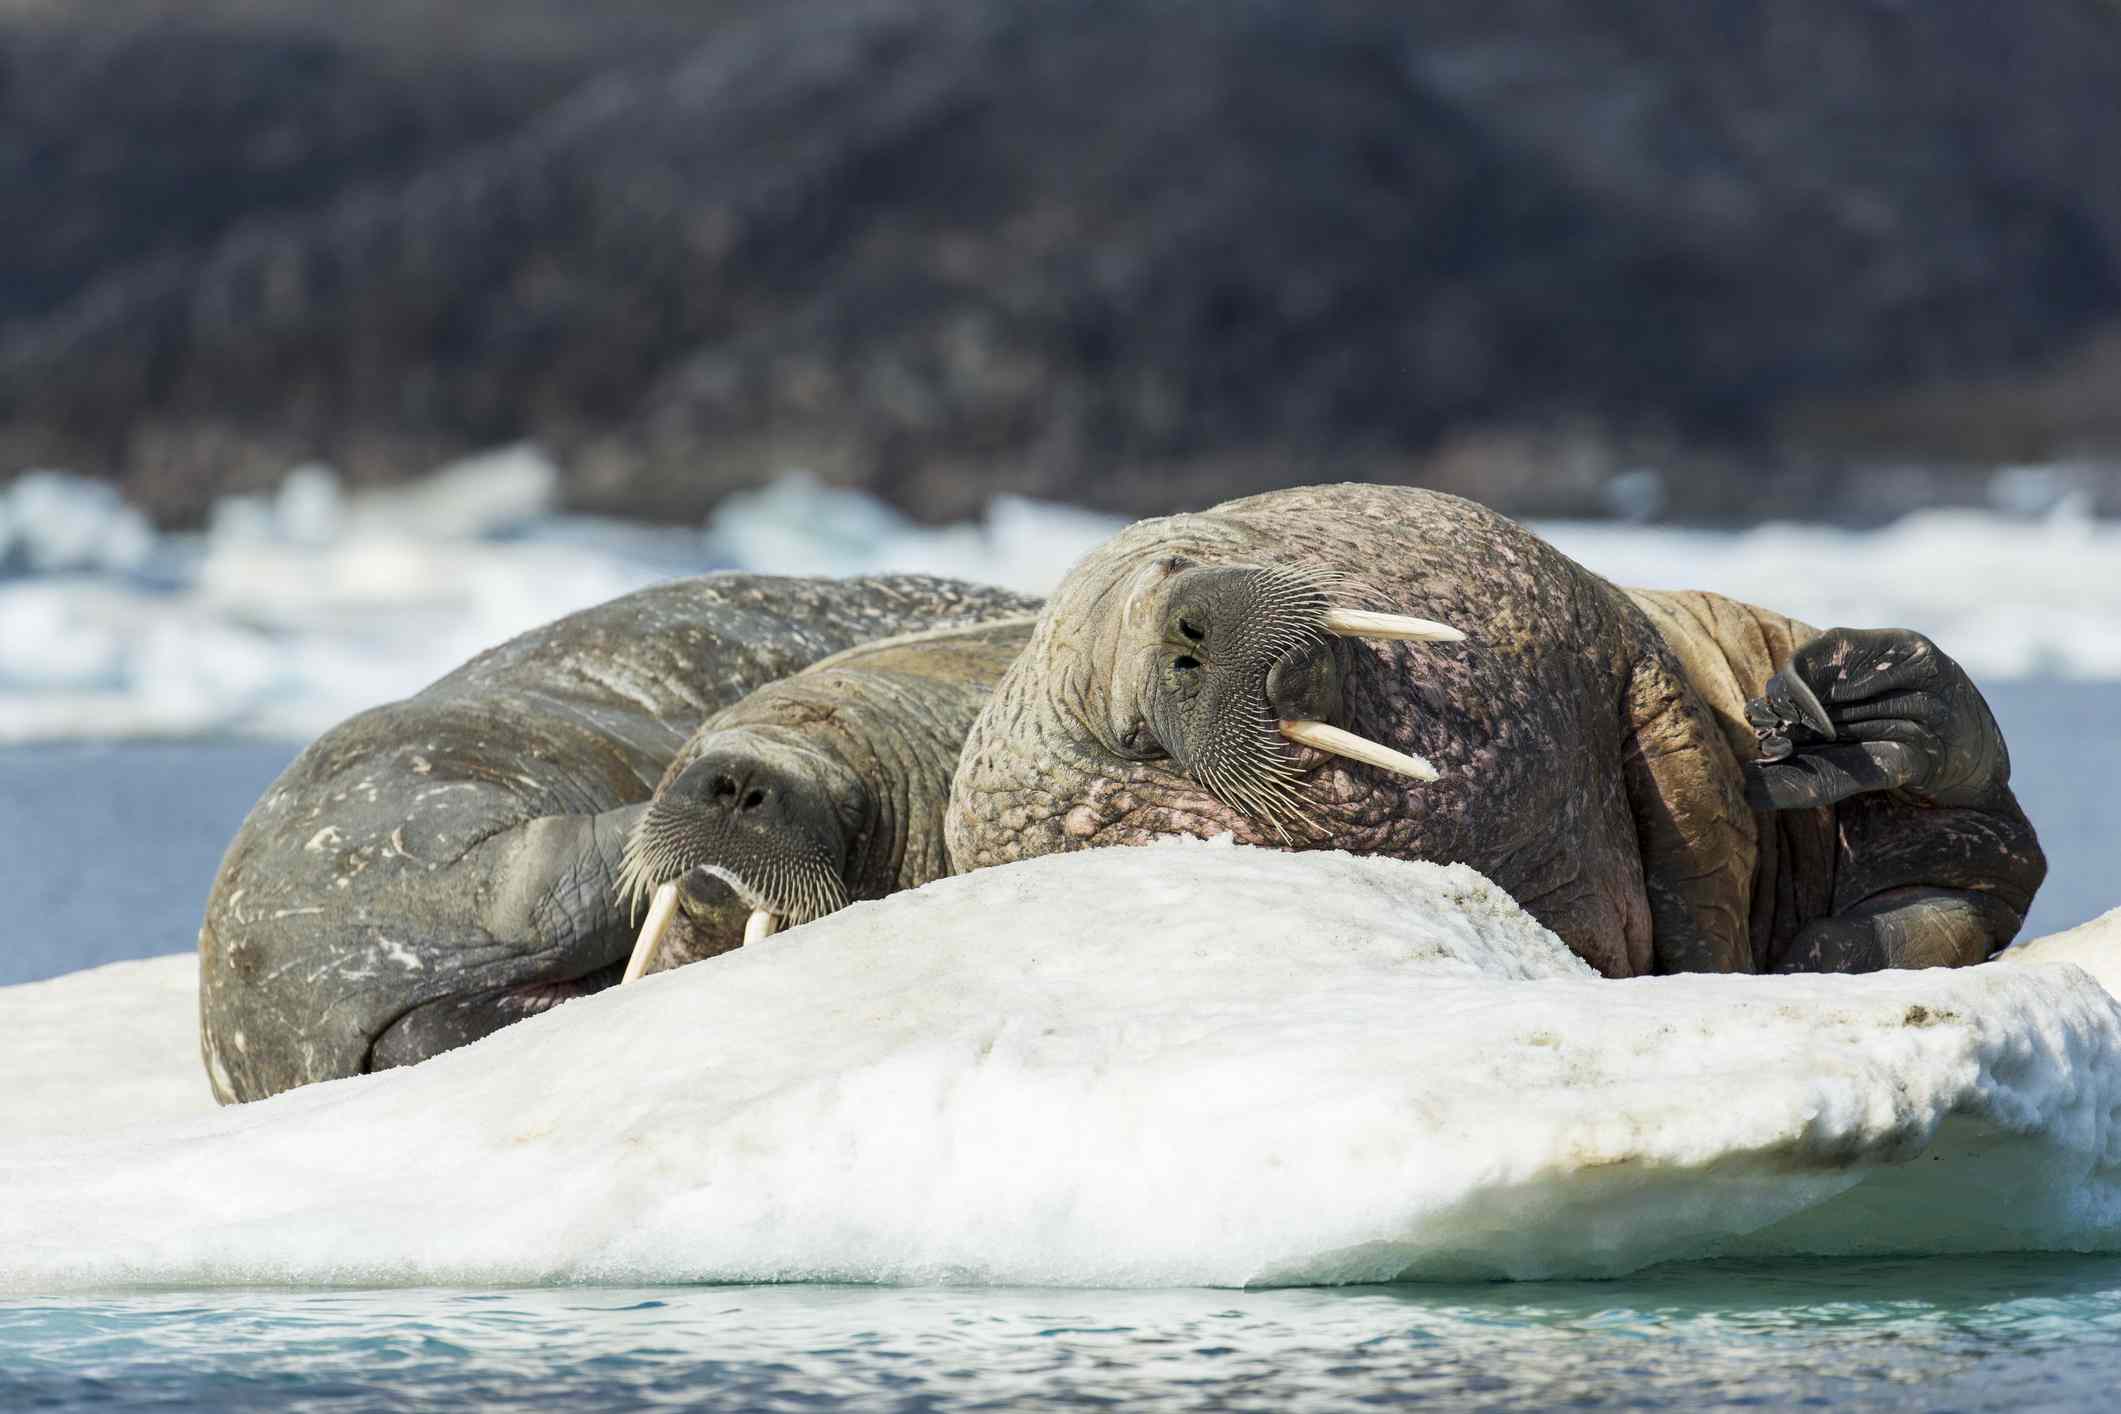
(1711, 260)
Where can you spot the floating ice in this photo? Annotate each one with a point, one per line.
(293, 611)
(53, 523)
(799, 525)
(2008, 596)
(1185, 1064)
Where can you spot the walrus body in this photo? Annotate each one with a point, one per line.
(434, 869)
(1594, 745)
(818, 790)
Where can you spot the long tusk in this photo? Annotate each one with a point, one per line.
(661, 909)
(1357, 748)
(760, 925)
(1361, 623)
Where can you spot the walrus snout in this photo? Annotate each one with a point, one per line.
(1233, 664)
(738, 786)
(758, 810)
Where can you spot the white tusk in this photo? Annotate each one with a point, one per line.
(661, 909)
(1357, 748)
(760, 925)
(1361, 623)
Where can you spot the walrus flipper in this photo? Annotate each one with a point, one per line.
(550, 893)
(1938, 863)
(1858, 710)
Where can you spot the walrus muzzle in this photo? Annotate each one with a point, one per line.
(757, 809)
(1221, 666)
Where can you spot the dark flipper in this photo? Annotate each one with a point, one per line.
(1859, 710)
(1906, 927)
(1937, 863)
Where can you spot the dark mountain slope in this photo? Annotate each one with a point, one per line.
(1134, 253)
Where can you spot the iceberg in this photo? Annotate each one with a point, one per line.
(1186, 1064)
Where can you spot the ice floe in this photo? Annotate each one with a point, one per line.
(1186, 1064)
(98, 1053)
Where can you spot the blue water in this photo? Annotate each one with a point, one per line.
(1990, 1333)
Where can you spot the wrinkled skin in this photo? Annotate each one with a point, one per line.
(432, 870)
(1593, 743)
(819, 790)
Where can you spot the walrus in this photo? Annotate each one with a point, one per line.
(434, 869)
(814, 792)
(1670, 782)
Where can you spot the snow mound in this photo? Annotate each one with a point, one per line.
(1179, 1065)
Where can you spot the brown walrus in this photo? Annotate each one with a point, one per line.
(1671, 782)
(814, 792)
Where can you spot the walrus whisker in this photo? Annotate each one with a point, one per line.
(1241, 794)
(1361, 623)
(660, 912)
(1333, 740)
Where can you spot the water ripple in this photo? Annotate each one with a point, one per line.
(1987, 1333)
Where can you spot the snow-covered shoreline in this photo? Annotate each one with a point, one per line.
(292, 612)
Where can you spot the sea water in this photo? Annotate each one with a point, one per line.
(1998, 1332)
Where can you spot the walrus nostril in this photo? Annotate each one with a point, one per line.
(724, 790)
(1185, 662)
(754, 800)
(1185, 627)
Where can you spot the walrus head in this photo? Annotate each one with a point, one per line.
(1192, 676)
(1220, 669)
(813, 792)
(760, 813)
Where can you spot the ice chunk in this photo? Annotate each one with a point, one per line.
(2007, 596)
(1185, 1064)
(799, 525)
(2093, 946)
(494, 493)
(52, 522)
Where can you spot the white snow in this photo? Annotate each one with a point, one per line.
(1187, 1064)
(100, 1052)
(293, 611)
